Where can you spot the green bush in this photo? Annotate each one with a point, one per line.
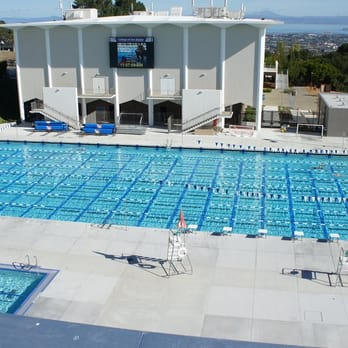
(250, 114)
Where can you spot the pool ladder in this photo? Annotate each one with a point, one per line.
(26, 265)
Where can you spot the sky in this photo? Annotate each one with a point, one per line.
(47, 8)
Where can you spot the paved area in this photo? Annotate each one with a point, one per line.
(269, 139)
(305, 98)
(237, 289)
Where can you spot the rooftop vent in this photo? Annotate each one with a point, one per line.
(81, 13)
(176, 11)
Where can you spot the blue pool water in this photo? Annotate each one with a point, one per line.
(16, 287)
(144, 186)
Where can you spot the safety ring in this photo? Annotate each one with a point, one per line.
(182, 252)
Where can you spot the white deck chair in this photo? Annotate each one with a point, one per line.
(176, 255)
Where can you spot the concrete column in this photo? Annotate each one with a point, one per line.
(19, 78)
(222, 62)
(82, 75)
(151, 112)
(48, 57)
(84, 110)
(185, 57)
(149, 91)
(117, 96)
(259, 76)
(81, 60)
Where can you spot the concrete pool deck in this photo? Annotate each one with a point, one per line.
(268, 138)
(237, 290)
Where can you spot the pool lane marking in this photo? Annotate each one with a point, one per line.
(207, 200)
(236, 196)
(120, 200)
(263, 196)
(155, 194)
(110, 181)
(319, 211)
(21, 176)
(291, 204)
(175, 212)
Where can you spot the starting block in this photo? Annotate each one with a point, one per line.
(262, 233)
(334, 237)
(298, 235)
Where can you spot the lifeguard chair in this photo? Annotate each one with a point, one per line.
(178, 261)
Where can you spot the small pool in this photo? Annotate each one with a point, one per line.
(19, 287)
(148, 186)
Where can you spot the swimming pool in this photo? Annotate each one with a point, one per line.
(147, 186)
(19, 287)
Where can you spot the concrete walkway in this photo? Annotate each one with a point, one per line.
(237, 289)
(269, 139)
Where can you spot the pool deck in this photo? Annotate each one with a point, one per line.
(269, 139)
(237, 290)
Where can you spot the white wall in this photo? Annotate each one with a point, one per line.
(198, 101)
(240, 78)
(62, 99)
(32, 62)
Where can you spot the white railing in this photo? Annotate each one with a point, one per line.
(108, 93)
(201, 119)
(218, 12)
(160, 94)
(4, 126)
(49, 112)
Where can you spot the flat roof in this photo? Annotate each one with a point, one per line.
(335, 100)
(148, 20)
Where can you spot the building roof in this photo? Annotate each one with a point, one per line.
(146, 21)
(335, 100)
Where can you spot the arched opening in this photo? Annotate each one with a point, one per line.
(164, 110)
(134, 107)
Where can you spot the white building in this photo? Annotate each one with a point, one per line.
(333, 113)
(85, 69)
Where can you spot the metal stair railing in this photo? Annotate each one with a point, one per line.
(53, 114)
(200, 120)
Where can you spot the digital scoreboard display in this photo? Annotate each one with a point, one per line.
(132, 52)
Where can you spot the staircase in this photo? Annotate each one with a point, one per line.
(53, 114)
(203, 119)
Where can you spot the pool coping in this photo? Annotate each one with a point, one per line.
(50, 274)
(219, 146)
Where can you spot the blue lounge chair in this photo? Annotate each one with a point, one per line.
(50, 126)
(98, 128)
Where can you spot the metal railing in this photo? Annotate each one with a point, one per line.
(200, 119)
(219, 12)
(162, 94)
(107, 93)
(52, 113)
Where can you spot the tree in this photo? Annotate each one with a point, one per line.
(125, 7)
(6, 36)
(280, 56)
(343, 49)
(105, 7)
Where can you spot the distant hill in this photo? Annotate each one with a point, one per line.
(29, 20)
(340, 20)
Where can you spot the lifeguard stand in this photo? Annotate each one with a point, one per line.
(177, 255)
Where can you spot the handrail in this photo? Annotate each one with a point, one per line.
(57, 115)
(207, 115)
(159, 93)
(109, 92)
